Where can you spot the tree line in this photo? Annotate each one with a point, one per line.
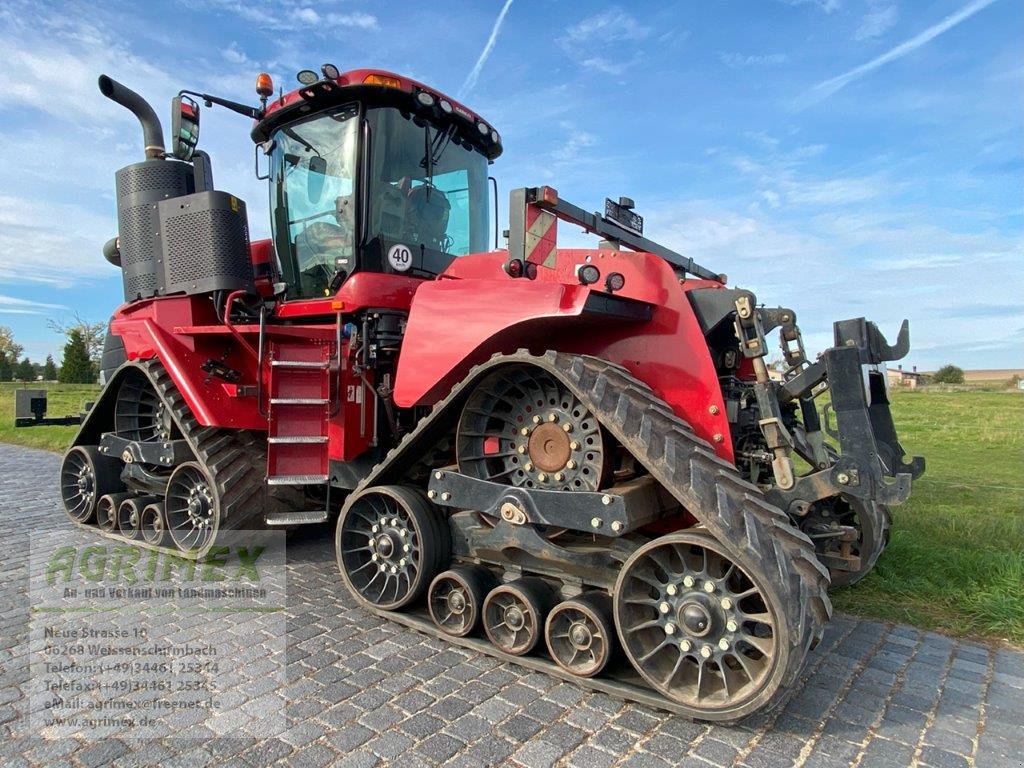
(80, 363)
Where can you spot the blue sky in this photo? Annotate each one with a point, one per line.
(841, 157)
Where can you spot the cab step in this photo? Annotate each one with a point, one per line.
(312, 517)
(298, 440)
(297, 480)
(316, 365)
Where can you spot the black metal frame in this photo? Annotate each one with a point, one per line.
(615, 512)
(593, 223)
(159, 453)
(871, 463)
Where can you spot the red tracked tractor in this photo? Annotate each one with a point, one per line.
(574, 458)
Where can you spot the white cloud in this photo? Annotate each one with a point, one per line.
(738, 60)
(53, 69)
(877, 21)
(235, 55)
(288, 15)
(826, 88)
(356, 20)
(828, 6)
(839, 265)
(11, 305)
(51, 244)
(573, 146)
(834, 191)
(602, 32)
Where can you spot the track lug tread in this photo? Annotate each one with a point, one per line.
(731, 509)
(235, 459)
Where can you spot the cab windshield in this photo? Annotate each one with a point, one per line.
(313, 200)
(408, 201)
(428, 194)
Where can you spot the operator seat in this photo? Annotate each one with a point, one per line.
(426, 217)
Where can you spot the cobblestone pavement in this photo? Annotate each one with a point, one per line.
(365, 692)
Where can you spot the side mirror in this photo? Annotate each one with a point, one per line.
(184, 127)
(315, 178)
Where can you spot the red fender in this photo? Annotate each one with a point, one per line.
(476, 310)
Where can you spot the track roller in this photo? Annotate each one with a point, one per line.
(514, 614)
(85, 476)
(580, 634)
(129, 515)
(192, 506)
(456, 597)
(154, 527)
(107, 510)
(390, 542)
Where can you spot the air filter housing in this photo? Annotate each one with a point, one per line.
(140, 187)
(204, 244)
(175, 240)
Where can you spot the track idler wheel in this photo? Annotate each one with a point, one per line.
(107, 511)
(390, 543)
(579, 634)
(154, 527)
(699, 628)
(192, 507)
(514, 614)
(456, 598)
(85, 476)
(129, 515)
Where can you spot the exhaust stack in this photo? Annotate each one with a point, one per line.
(152, 132)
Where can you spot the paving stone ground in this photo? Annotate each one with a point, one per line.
(362, 692)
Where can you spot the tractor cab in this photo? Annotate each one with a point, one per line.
(372, 172)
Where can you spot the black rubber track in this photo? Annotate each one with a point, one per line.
(755, 533)
(236, 459)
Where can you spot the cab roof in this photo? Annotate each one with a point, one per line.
(380, 88)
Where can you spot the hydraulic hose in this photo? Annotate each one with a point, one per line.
(152, 132)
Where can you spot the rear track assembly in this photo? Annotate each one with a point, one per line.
(233, 460)
(732, 515)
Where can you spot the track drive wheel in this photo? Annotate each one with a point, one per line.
(192, 507)
(154, 527)
(700, 628)
(514, 614)
(579, 634)
(140, 414)
(85, 476)
(522, 427)
(871, 521)
(390, 543)
(456, 598)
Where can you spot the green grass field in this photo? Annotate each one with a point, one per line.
(956, 560)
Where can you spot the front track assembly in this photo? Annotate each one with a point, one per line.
(143, 470)
(713, 621)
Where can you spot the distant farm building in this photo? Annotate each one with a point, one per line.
(900, 378)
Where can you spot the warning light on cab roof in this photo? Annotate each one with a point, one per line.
(385, 81)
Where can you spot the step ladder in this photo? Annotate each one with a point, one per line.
(299, 408)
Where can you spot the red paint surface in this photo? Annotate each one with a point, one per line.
(355, 77)
(476, 310)
(361, 291)
(469, 313)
